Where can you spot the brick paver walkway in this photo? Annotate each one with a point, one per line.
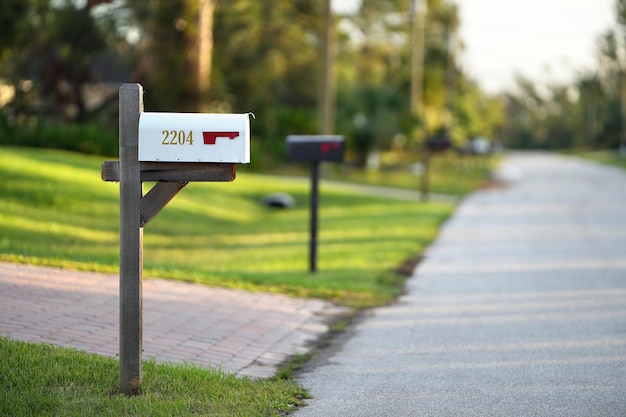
(250, 334)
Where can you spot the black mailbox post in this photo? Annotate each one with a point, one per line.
(314, 149)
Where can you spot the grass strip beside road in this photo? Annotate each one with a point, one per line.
(44, 380)
(55, 210)
(613, 157)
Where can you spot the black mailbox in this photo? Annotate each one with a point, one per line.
(438, 143)
(315, 148)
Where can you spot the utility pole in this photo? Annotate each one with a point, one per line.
(450, 91)
(205, 50)
(327, 93)
(418, 17)
(418, 31)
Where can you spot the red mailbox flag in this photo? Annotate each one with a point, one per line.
(211, 137)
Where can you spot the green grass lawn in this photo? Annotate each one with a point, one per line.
(55, 210)
(44, 380)
(605, 157)
(448, 174)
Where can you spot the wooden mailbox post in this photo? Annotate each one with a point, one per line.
(165, 137)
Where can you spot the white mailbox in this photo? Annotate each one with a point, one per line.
(194, 137)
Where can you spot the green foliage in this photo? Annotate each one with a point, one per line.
(450, 173)
(50, 59)
(85, 138)
(266, 59)
(374, 79)
(271, 128)
(44, 380)
(13, 13)
(55, 210)
(267, 62)
(371, 117)
(266, 53)
(165, 59)
(586, 114)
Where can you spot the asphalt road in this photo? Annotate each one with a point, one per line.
(519, 308)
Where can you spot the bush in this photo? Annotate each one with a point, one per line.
(89, 138)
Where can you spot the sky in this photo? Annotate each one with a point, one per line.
(544, 40)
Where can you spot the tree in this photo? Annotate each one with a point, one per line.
(590, 113)
(266, 60)
(50, 56)
(14, 13)
(166, 53)
(205, 49)
(261, 56)
(375, 51)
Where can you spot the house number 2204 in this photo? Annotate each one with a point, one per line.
(177, 137)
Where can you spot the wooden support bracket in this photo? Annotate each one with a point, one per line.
(157, 198)
(174, 171)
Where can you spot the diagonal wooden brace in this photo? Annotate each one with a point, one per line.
(157, 198)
